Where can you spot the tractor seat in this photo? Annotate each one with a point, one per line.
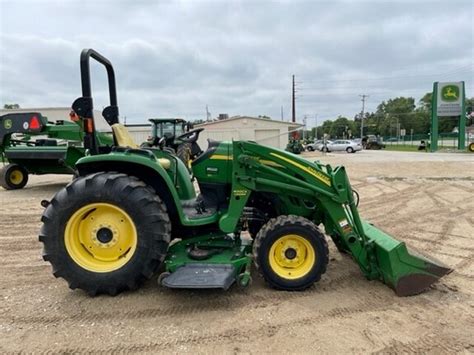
(124, 139)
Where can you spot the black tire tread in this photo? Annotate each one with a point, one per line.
(155, 224)
(4, 173)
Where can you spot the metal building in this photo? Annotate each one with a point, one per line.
(265, 131)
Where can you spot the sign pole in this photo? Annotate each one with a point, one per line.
(462, 122)
(434, 119)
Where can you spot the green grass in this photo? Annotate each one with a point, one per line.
(414, 148)
(402, 147)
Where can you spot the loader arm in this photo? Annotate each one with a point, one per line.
(328, 197)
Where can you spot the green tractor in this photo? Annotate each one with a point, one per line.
(372, 142)
(55, 150)
(294, 146)
(177, 136)
(134, 211)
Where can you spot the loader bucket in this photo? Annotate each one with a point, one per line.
(404, 270)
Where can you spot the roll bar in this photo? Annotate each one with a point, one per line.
(84, 106)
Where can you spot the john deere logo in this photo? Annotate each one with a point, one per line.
(7, 124)
(450, 93)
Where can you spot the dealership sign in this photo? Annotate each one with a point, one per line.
(450, 99)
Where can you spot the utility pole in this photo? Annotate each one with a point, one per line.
(363, 96)
(208, 114)
(316, 126)
(281, 113)
(293, 108)
(304, 127)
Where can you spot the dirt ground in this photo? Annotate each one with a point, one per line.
(426, 200)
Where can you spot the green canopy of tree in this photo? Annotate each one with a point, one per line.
(400, 112)
(11, 106)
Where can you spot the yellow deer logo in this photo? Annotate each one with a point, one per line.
(450, 93)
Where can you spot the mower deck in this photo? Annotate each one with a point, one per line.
(196, 275)
(209, 261)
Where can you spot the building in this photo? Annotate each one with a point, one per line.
(264, 131)
(140, 132)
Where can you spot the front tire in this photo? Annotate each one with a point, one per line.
(310, 149)
(350, 150)
(471, 147)
(13, 177)
(105, 233)
(290, 253)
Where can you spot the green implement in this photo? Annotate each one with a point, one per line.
(133, 210)
(32, 145)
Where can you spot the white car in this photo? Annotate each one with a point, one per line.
(341, 145)
(317, 145)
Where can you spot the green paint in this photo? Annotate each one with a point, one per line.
(434, 119)
(229, 250)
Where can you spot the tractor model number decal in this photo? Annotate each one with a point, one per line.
(7, 124)
(344, 224)
(317, 174)
(240, 192)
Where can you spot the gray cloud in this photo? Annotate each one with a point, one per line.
(174, 58)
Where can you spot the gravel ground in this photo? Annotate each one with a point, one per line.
(423, 199)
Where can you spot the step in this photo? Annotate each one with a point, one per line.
(197, 275)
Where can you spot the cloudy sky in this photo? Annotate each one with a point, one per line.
(174, 58)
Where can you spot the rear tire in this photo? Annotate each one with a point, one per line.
(184, 153)
(290, 253)
(350, 150)
(471, 147)
(105, 233)
(13, 177)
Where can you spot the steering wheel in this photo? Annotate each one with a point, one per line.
(191, 136)
(161, 142)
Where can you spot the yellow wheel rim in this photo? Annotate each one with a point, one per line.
(292, 256)
(16, 177)
(100, 237)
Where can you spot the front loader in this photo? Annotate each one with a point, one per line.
(135, 211)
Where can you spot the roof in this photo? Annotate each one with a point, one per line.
(235, 118)
(173, 120)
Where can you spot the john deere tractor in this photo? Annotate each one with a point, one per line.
(177, 136)
(133, 212)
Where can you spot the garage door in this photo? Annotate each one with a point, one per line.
(269, 137)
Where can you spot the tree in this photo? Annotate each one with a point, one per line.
(342, 128)
(11, 106)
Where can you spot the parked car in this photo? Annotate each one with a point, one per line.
(341, 145)
(316, 145)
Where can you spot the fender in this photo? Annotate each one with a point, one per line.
(144, 165)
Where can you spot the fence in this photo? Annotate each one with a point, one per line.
(445, 140)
